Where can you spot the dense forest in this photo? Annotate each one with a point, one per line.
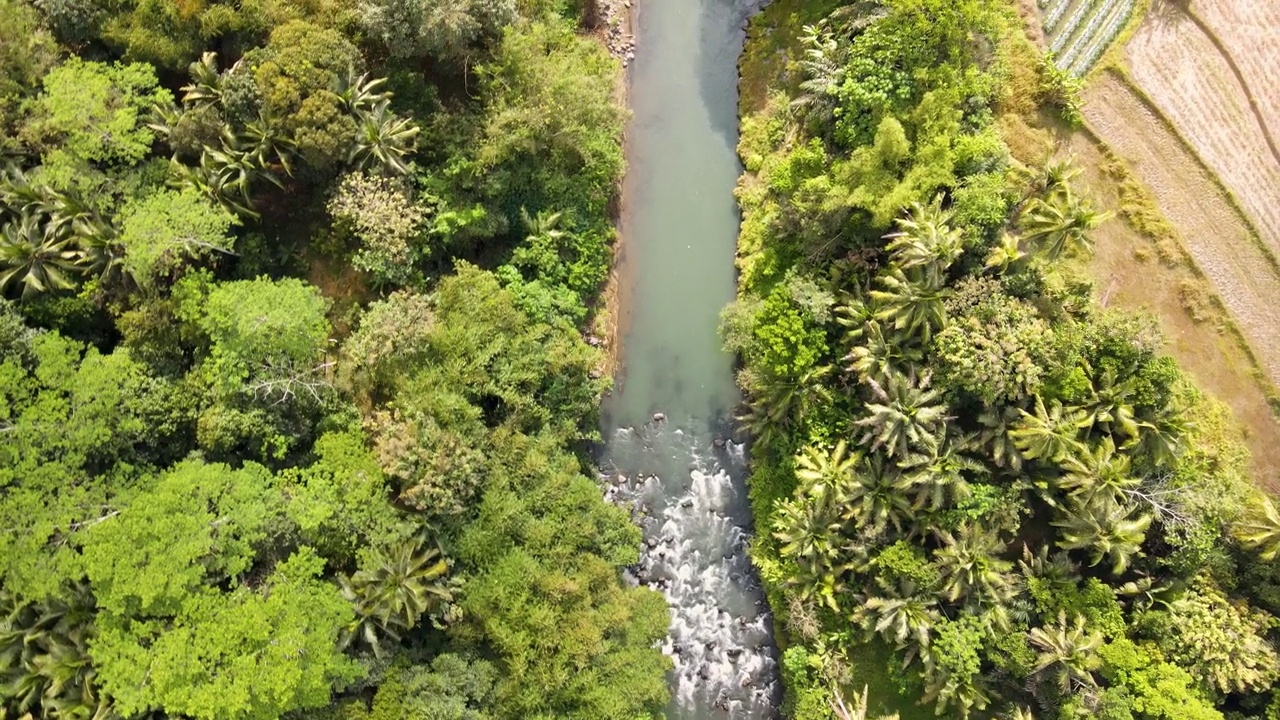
(978, 493)
(296, 405)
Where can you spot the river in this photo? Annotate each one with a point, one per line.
(667, 424)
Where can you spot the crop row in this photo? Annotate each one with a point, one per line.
(1093, 41)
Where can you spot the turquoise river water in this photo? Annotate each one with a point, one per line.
(669, 451)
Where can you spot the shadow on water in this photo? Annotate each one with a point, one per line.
(678, 471)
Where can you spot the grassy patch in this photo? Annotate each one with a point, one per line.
(773, 38)
(869, 666)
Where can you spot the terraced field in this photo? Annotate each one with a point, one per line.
(1079, 31)
(1219, 95)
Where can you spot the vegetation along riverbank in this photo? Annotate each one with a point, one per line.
(980, 489)
(295, 390)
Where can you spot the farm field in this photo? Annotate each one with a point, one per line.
(1078, 32)
(1194, 80)
(1251, 31)
(1212, 231)
(1128, 273)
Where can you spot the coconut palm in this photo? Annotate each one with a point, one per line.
(35, 257)
(911, 301)
(1110, 404)
(853, 710)
(1260, 528)
(971, 567)
(822, 472)
(808, 528)
(1058, 224)
(1100, 472)
(1106, 529)
(823, 66)
(996, 423)
(1050, 433)
(383, 140)
(873, 498)
(777, 404)
(936, 475)
(1006, 253)
(403, 583)
(879, 356)
(902, 613)
(1055, 175)
(906, 415)
(925, 240)
(45, 668)
(1067, 653)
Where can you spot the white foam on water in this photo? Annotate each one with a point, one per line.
(684, 491)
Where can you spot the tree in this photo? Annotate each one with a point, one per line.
(95, 111)
(873, 498)
(162, 229)
(1058, 224)
(878, 356)
(197, 525)
(1106, 529)
(397, 586)
(271, 334)
(912, 302)
(1098, 474)
(1260, 529)
(905, 416)
(901, 613)
(1050, 434)
(383, 216)
(776, 405)
(35, 257)
(972, 569)
(1223, 644)
(823, 472)
(446, 29)
(247, 654)
(1067, 653)
(926, 240)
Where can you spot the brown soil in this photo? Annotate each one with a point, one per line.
(1212, 231)
(1129, 274)
(1195, 81)
(1251, 29)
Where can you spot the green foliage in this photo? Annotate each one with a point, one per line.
(163, 229)
(444, 29)
(386, 221)
(247, 653)
(27, 51)
(95, 112)
(1158, 690)
(270, 332)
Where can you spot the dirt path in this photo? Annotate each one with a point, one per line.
(1193, 78)
(1212, 231)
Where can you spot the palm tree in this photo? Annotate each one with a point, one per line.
(972, 569)
(1109, 405)
(1050, 434)
(997, 423)
(383, 140)
(777, 404)
(206, 82)
(1055, 175)
(809, 529)
(35, 256)
(359, 94)
(936, 474)
(1106, 529)
(926, 240)
(912, 302)
(1260, 528)
(824, 69)
(1100, 472)
(1068, 653)
(1006, 253)
(856, 710)
(907, 415)
(1058, 224)
(873, 498)
(901, 613)
(877, 357)
(821, 472)
(405, 582)
(45, 667)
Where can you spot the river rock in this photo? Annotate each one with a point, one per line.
(657, 417)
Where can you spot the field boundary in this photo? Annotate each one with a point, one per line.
(1221, 47)
(1122, 76)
